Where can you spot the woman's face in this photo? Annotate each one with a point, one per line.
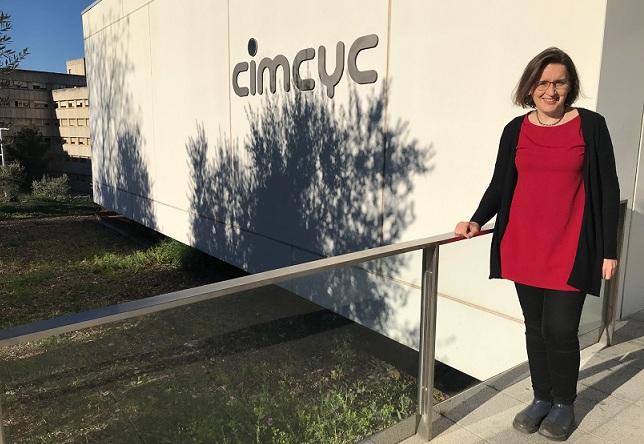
(549, 93)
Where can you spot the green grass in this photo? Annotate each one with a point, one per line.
(188, 388)
(262, 366)
(53, 266)
(169, 253)
(29, 207)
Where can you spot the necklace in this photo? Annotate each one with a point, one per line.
(549, 124)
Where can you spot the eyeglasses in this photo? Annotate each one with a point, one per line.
(558, 85)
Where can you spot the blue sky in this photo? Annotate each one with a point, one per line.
(51, 29)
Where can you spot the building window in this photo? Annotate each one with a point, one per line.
(70, 104)
(72, 122)
(22, 103)
(63, 104)
(81, 141)
(86, 102)
(64, 122)
(79, 104)
(82, 122)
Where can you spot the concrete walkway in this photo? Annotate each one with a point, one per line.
(609, 407)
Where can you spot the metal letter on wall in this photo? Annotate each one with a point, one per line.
(330, 81)
(303, 84)
(271, 65)
(239, 68)
(361, 43)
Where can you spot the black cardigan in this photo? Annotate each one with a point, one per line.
(598, 236)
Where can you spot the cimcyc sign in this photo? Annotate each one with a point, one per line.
(253, 74)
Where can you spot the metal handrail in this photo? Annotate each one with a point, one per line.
(127, 310)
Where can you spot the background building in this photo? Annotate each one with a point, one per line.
(397, 143)
(73, 150)
(42, 100)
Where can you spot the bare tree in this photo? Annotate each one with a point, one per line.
(9, 59)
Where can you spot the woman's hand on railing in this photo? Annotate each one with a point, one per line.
(608, 268)
(467, 229)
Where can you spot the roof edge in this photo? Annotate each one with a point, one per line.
(90, 7)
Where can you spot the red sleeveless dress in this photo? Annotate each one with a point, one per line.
(539, 245)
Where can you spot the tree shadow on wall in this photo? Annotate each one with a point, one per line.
(311, 179)
(120, 170)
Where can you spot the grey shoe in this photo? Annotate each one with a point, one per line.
(559, 423)
(528, 419)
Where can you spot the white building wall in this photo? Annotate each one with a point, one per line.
(621, 101)
(212, 169)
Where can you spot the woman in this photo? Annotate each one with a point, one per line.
(556, 197)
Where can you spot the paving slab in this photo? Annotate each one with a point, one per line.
(625, 428)
(447, 431)
(594, 408)
(629, 329)
(623, 380)
(454, 434)
(628, 351)
(488, 414)
(521, 391)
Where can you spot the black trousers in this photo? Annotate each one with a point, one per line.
(551, 328)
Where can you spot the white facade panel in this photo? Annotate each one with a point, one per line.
(185, 144)
(100, 15)
(621, 101)
(189, 80)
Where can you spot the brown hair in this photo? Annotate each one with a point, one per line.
(532, 73)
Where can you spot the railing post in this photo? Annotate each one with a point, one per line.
(427, 345)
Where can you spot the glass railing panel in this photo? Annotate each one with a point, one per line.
(384, 332)
(591, 315)
(265, 365)
(480, 329)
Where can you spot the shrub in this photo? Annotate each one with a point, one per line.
(28, 147)
(56, 188)
(12, 177)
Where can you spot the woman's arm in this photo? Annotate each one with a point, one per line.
(610, 199)
(610, 190)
